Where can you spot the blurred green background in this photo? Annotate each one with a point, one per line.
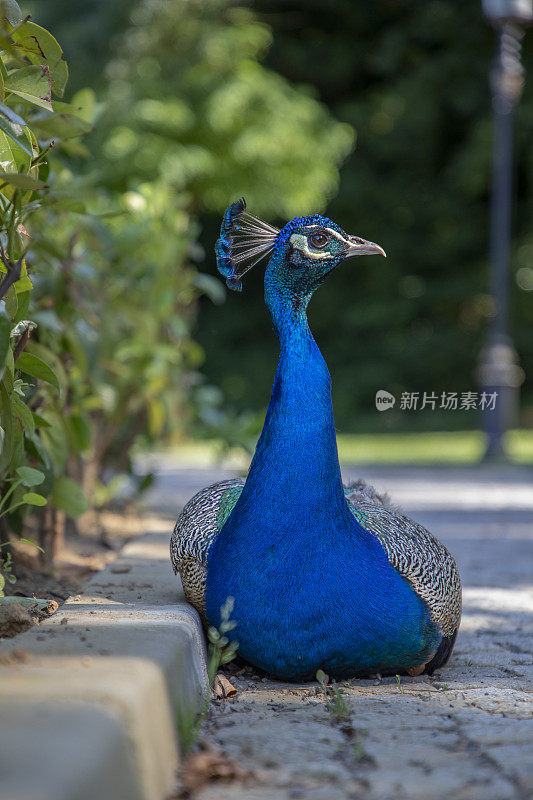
(189, 104)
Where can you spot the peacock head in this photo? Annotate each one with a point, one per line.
(302, 254)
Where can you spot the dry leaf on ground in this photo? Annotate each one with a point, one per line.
(223, 688)
(208, 766)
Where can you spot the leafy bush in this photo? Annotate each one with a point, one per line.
(124, 303)
(34, 408)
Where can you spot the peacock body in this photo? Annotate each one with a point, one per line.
(322, 575)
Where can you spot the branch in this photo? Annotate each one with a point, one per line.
(12, 275)
(43, 153)
(22, 342)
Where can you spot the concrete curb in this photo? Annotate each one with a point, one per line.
(101, 685)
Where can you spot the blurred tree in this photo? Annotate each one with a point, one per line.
(189, 103)
(411, 77)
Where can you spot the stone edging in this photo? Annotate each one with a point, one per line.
(96, 690)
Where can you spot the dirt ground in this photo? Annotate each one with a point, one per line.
(81, 556)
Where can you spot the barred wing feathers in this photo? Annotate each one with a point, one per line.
(417, 555)
(196, 528)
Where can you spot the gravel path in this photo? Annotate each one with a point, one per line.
(466, 733)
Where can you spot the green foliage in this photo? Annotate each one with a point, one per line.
(189, 723)
(32, 391)
(6, 571)
(189, 103)
(334, 694)
(124, 294)
(25, 477)
(413, 80)
(221, 649)
(6, 565)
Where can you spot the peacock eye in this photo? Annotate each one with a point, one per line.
(319, 240)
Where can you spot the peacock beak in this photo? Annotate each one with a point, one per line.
(360, 247)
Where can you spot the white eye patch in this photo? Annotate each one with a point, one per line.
(299, 241)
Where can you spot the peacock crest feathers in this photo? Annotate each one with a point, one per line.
(244, 241)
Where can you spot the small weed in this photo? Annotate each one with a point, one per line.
(468, 662)
(6, 565)
(335, 699)
(358, 751)
(399, 683)
(221, 650)
(189, 724)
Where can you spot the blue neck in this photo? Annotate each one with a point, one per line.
(296, 462)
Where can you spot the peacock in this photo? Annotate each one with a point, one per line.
(322, 576)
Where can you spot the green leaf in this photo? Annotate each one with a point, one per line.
(37, 449)
(14, 128)
(22, 287)
(67, 496)
(30, 476)
(64, 202)
(23, 297)
(55, 440)
(32, 84)
(10, 299)
(21, 181)
(17, 452)
(24, 415)
(40, 422)
(322, 677)
(33, 544)
(5, 332)
(34, 499)
(34, 366)
(47, 355)
(40, 47)
(84, 103)
(68, 108)
(60, 126)
(9, 371)
(11, 11)
(79, 430)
